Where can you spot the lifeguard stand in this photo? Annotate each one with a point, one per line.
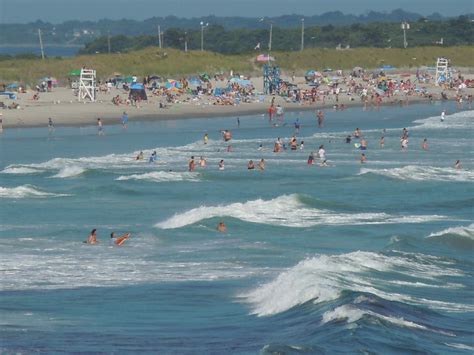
(271, 79)
(443, 73)
(87, 85)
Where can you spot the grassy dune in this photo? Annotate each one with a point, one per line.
(173, 63)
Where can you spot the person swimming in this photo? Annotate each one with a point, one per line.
(221, 227)
(119, 241)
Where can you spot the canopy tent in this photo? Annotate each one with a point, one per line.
(137, 91)
(76, 72)
(263, 58)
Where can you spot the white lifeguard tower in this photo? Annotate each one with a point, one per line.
(443, 73)
(87, 85)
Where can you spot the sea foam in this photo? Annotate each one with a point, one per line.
(161, 176)
(423, 173)
(25, 191)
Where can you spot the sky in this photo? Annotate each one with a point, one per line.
(56, 11)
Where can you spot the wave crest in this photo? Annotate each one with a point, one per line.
(422, 173)
(25, 191)
(161, 176)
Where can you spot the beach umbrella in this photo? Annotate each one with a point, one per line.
(137, 86)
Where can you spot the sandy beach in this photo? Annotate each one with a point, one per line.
(65, 110)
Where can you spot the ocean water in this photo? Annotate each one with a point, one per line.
(368, 258)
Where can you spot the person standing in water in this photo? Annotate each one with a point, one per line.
(92, 239)
(443, 115)
(457, 164)
(238, 122)
(322, 153)
(50, 125)
(363, 158)
(221, 165)
(382, 142)
(206, 138)
(191, 164)
(261, 164)
(424, 145)
(124, 120)
(320, 116)
(202, 162)
(100, 127)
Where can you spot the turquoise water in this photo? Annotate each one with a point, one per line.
(344, 258)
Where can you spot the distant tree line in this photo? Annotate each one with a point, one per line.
(81, 32)
(453, 32)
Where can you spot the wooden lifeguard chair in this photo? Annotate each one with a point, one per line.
(87, 85)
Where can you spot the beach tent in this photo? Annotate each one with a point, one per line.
(137, 91)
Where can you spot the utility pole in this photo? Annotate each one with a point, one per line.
(159, 36)
(270, 40)
(186, 41)
(202, 34)
(405, 27)
(302, 34)
(41, 43)
(108, 41)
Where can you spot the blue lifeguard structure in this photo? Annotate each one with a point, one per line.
(271, 79)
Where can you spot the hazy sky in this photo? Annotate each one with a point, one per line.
(55, 11)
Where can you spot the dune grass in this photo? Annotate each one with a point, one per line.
(175, 63)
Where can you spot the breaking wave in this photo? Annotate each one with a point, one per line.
(25, 191)
(288, 211)
(423, 173)
(161, 176)
(323, 278)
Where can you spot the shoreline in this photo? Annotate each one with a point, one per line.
(84, 119)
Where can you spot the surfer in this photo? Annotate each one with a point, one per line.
(119, 241)
(92, 239)
(221, 227)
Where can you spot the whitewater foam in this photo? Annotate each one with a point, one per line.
(351, 314)
(458, 120)
(25, 191)
(464, 232)
(161, 176)
(423, 173)
(69, 171)
(323, 278)
(18, 170)
(288, 211)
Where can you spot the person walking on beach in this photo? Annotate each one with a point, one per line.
(100, 127)
(124, 120)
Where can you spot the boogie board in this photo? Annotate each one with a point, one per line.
(357, 145)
